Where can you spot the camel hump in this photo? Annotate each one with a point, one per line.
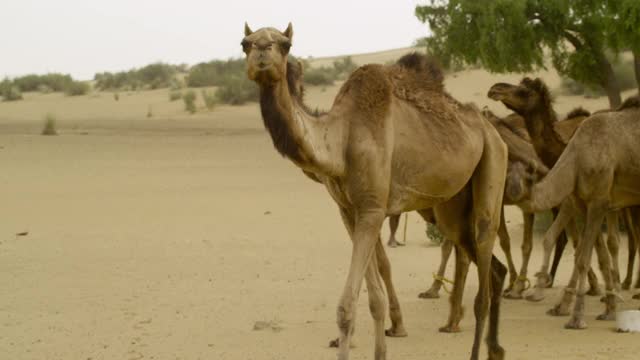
(370, 89)
(632, 102)
(578, 112)
(423, 65)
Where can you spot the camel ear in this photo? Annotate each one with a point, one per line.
(247, 29)
(289, 31)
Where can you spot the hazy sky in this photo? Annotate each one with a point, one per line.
(82, 37)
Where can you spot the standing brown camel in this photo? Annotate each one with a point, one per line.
(600, 171)
(532, 100)
(393, 141)
(523, 167)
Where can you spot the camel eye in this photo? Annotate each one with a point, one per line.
(522, 92)
(286, 45)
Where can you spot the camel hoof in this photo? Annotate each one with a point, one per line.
(398, 332)
(335, 343)
(594, 291)
(535, 297)
(429, 294)
(636, 296)
(606, 317)
(558, 310)
(496, 354)
(450, 329)
(576, 324)
(626, 285)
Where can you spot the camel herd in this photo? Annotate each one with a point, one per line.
(395, 141)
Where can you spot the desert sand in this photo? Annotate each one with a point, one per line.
(188, 237)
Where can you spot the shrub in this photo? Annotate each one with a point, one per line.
(149, 112)
(434, 234)
(116, 96)
(152, 76)
(344, 67)
(175, 95)
(189, 99)
(214, 73)
(77, 88)
(319, 76)
(49, 125)
(209, 99)
(11, 93)
(237, 90)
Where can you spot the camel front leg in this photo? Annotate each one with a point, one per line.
(384, 266)
(445, 253)
(633, 244)
(377, 307)
(505, 244)
(613, 243)
(522, 281)
(611, 286)
(595, 216)
(365, 234)
(550, 237)
(394, 221)
(456, 310)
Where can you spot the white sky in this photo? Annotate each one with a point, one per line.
(82, 37)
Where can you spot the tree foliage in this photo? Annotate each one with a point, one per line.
(512, 35)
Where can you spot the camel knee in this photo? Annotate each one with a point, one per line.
(344, 316)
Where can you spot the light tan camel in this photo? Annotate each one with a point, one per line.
(532, 99)
(394, 141)
(600, 172)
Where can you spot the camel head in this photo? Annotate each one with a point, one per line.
(526, 97)
(520, 178)
(266, 53)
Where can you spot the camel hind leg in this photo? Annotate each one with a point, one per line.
(487, 190)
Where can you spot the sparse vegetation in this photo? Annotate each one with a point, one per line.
(209, 99)
(149, 112)
(152, 76)
(237, 90)
(434, 234)
(11, 93)
(76, 88)
(49, 128)
(175, 95)
(189, 99)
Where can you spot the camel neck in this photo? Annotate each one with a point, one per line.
(311, 142)
(546, 141)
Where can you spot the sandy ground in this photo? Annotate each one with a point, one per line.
(170, 237)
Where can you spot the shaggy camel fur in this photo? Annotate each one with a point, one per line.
(600, 172)
(394, 141)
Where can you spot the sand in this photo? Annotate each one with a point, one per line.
(189, 237)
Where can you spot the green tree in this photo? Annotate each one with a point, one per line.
(512, 35)
(624, 33)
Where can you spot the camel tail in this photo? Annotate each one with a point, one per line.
(559, 183)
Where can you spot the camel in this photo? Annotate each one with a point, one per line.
(523, 167)
(532, 100)
(394, 141)
(599, 172)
